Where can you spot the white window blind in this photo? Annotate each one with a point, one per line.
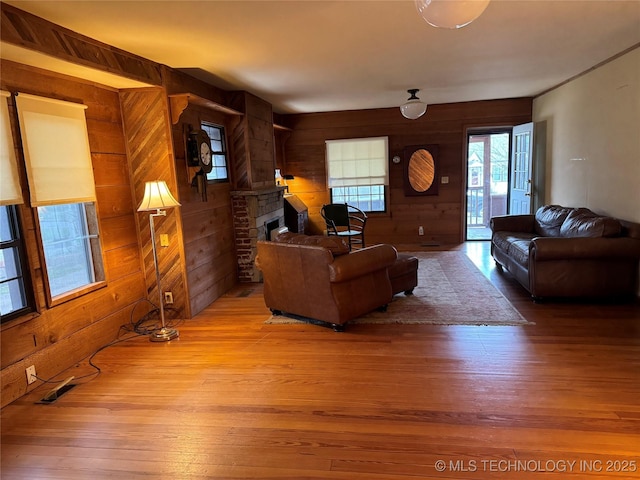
(357, 161)
(56, 150)
(10, 191)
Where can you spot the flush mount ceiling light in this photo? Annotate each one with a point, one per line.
(414, 108)
(450, 13)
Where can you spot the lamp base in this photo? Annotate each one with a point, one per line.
(164, 335)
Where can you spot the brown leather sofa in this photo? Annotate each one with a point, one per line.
(568, 252)
(316, 277)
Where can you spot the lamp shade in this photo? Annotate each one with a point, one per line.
(414, 107)
(157, 196)
(450, 13)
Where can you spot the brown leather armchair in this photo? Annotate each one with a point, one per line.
(317, 278)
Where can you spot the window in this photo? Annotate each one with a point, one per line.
(15, 293)
(357, 172)
(62, 189)
(70, 246)
(369, 198)
(16, 296)
(218, 152)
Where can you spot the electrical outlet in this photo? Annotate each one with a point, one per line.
(420, 230)
(31, 374)
(168, 298)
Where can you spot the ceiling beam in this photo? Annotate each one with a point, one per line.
(23, 29)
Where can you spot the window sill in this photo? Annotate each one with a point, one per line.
(73, 294)
(14, 322)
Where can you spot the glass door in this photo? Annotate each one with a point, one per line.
(521, 186)
(487, 180)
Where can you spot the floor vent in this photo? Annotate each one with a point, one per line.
(57, 392)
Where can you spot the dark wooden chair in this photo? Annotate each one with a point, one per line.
(345, 221)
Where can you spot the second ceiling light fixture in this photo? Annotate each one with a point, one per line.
(442, 14)
(450, 13)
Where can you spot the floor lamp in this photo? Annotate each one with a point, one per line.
(158, 197)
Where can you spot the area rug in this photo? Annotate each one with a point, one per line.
(451, 291)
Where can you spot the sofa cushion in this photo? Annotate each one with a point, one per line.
(583, 222)
(336, 245)
(519, 251)
(549, 219)
(503, 240)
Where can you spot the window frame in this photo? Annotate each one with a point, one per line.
(95, 253)
(17, 242)
(41, 121)
(343, 198)
(225, 151)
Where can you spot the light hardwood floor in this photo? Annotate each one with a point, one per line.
(235, 398)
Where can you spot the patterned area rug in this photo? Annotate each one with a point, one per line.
(451, 291)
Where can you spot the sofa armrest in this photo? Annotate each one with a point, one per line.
(512, 223)
(361, 262)
(560, 248)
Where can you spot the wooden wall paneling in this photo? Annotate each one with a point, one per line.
(37, 338)
(212, 280)
(121, 261)
(118, 232)
(240, 166)
(210, 249)
(281, 135)
(147, 128)
(105, 137)
(49, 328)
(207, 226)
(261, 142)
(23, 339)
(444, 125)
(114, 201)
(253, 143)
(114, 169)
(62, 354)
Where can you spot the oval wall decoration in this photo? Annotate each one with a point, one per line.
(420, 170)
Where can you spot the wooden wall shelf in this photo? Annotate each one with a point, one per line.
(180, 101)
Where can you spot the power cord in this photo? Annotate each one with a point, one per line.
(98, 371)
(149, 323)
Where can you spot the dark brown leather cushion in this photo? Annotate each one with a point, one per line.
(336, 245)
(549, 219)
(504, 240)
(584, 223)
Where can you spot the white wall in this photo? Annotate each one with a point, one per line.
(593, 139)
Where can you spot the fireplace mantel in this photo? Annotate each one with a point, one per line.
(258, 192)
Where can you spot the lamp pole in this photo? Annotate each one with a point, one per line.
(158, 197)
(164, 334)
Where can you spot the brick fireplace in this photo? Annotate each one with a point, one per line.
(255, 212)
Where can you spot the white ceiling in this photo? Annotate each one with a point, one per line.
(314, 56)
